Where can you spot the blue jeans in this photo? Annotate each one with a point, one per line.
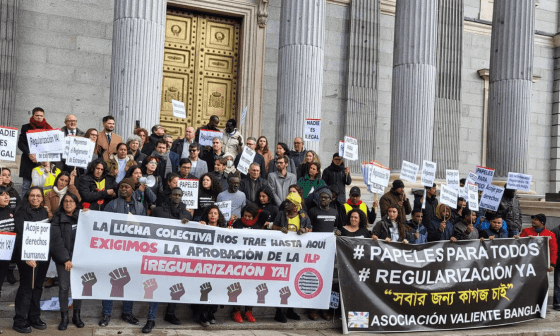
(556, 295)
(152, 311)
(108, 307)
(25, 187)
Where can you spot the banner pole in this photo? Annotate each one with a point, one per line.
(33, 279)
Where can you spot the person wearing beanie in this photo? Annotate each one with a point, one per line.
(538, 228)
(396, 196)
(354, 202)
(124, 204)
(337, 174)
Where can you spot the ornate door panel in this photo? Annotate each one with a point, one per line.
(200, 69)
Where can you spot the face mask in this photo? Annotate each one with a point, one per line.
(230, 163)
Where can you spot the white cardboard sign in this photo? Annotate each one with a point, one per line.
(312, 131)
(428, 173)
(179, 109)
(484, 177)
(206, 136)
(51, 141)
(379, 176)
(7, 242)
(448, 196)
(8, 143)
(225, 208)
(80, 152)
(36, 240)
(473, 196)
(350, 148)
(471, 177)
(66, 147)
(48, 157)
(190, 192)
(519, 181)
(491, 197)
(452, 178)
(246, 159)
(409, 171)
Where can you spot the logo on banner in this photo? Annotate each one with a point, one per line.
(309, 283)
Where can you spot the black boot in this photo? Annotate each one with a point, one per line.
(76, 319)
(63, 321)
(280, 317)
(150, 324)
(10, 277)
(104, 320)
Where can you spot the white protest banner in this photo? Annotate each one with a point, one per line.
(519, 181)
(312, 130)
(8, 143)
(190, 192)
(35, 242)
(51, 141)
(428, 173)
(491, 197)
(80, 153)
(472, 196)
(48, 157)
(409, 171)
(66, 147)
(179, 109)
(206, 136)
(243, 115)
(484, 176)
(225, 208)
(366, 172)
(246, 159)
(452, 178)
(471, 177)
(379, 177)
(161, 260)
(448, 196)
(350, 148)
(341, 149)
(463, 192)
(7, 242)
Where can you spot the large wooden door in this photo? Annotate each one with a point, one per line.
(200, 69)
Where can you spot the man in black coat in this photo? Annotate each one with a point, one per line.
(212, 154)
(211, 126)
(157, 134)
(181, 146)
(252, 183)
(429, 211)
(258, 159)
(337, 174)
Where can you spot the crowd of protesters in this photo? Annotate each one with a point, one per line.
(284, 190)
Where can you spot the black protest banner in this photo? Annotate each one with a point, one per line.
(391, 287)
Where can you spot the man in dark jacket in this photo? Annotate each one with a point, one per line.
(419, 233)
(124, 204)
(71, 127)
(431, 203)
(511, 212)
(211, 126)
(185, 170)
(258, 159)
(298, 154)
(252, 183)
(337, 174)
(463, 228)
(157, 134)
(495, 230)
(220, 172)
(396, 196)
(28, 160)
(214, 153)
(181, 146)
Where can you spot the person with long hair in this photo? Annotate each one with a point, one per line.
(142, 193)
(7, 225)
(312, 180)
(96, 187)
(28, 296)
(63, 235)
(150, 172)
(355, 225)
(143, 134)
(6, 181)
(390, 228)
(92, 134)
(208, 191)
(282, 150)
(310, 157)
(63, 184)
(262, 149)
(119, 163)
(267, 202)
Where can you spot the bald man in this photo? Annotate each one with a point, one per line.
(181, 146)
(71, 127)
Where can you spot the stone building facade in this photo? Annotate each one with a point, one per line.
(59, 55)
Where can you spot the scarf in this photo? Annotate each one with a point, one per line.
(296, 199)
(540, 230)
(354, 204)
(164, 157)
(60, 193)
(251, 222)
(39, 125)
(336, 168)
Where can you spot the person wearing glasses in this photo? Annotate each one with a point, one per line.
(71, 127)
(298, 154)
(337, 174)
(198, 166)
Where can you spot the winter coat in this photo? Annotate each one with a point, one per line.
(222, 179)
(150, 146)
(63, 236)
(26, 165)
(210, 157)
(261, 219)
(147, 197)
(79, 132)
(259, 159)
(14, 196)
(204, 128)
(298, 157)
(139, 157)
(460, 231)
(430, 211)
(52, 200)
(392, 197)
(103, 148)
(7, 221)
(165, 211)
(552, 243)
(511, 212)
(335, 175)
(205, 199)
(88, 191)
(489, 232)
(281, 221)
(23, 214)
(382, 230)
(267, 158)
(233, 144)
(119, 205)
(422, 232)
(245, 187)
(178, 146)
(280, 185)
(200, 169)
(434, 234)
(308, 185)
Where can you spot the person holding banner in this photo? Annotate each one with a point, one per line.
(440, 227)
(390, 228)
(29, 160)
(63, 235)
(310, 157)
(96, 187)
(312, 181)
(495, 230)
(538, 228)
(211, 126)
(337, 174)
(464, 228)
(262, 149)
(419, 233)
(266, 201)
(28, 296)
(6, 181)
(396, 196)
(282, 150)
(64, 183)
(7, 224)
(511, 210)
(355, 225)
(354, 202)
(44, 176)
(124, 204)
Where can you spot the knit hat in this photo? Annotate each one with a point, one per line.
(128, 181)
(355, 191)
(325, 191)
(296, 199)
(397, 184)
(336, 155)
(540, 217)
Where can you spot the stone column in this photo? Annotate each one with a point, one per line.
(8, 53)
(137, 63)
(363, 74)
(300, 67)
(511, 73)
(447, 115)
(414, 81)
(555, 131)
